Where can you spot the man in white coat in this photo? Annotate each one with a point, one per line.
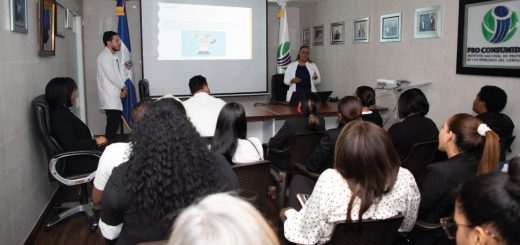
(111, 83)
(302, 75)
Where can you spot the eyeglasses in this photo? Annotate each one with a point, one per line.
(450, 228)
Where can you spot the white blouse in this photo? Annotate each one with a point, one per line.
(249, 150)
(328, 204)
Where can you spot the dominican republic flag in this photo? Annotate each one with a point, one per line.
(283, 57)
(129, 101)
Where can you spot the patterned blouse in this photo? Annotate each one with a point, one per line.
(328, 204)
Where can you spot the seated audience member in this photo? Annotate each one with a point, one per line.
(367, 96)
(487, 210)
(365, 183)
(322, 158)
(414, 126)
(222, 219)
(472, 149)
(489, 103)
(349, 109)
(230, 136)
(309, 121)
(203, 108)
(169, 167)
(115, 154)
(70, 132)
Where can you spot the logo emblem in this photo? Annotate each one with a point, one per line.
(499, 24)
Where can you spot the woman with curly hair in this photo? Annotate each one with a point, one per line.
(169, 167)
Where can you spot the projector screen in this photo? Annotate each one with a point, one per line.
(223, 40)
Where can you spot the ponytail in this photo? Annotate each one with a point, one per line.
(313, 123)
(490, 154)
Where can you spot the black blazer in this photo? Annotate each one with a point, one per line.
(373, 117)
(498, 122)
(439, 185)
(322, 157)
(411, 130)
(292, 126)
(70, 132)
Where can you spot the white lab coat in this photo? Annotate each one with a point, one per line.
(290, 73)
(110, 80)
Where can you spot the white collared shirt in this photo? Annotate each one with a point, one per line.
(290, 73)
(112, 156)
(203, 110)
(110, 80)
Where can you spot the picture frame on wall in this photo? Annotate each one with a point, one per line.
(390, 28)
(428, 22)
(306, 36)
(47, 28)
(488, 38)
(318, 35)
(18, 16)
(337, 33)
(361, 31)
(61, 19)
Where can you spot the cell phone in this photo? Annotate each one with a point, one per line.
(302, 198)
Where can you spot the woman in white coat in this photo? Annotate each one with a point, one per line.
(302, 75)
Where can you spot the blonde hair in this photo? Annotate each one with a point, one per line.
(222, 219)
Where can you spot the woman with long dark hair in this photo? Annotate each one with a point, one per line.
(365, 183)
(309, 121)
(169, 168)
(415, 126)
(230, 137)
(487, 210)
(472, 149)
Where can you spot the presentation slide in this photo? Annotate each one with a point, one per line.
(215, 32)
(223, 40)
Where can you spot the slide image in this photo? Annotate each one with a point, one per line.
(203, 43)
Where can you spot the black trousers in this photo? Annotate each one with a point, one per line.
(113, 122)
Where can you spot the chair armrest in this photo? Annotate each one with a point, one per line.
(426, 226)
(74, 180)
(303, 170)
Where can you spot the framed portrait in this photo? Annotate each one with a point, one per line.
(306, 36)
(61, 19)
(318, 35)
(361, 31)
(47, 28)
(428, 22)
(70, 19)
(488, 38)
(390, 28)
(18, 15)
(337, 33)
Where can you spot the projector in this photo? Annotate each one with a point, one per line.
(391, 84)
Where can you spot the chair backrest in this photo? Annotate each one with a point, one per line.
(367, 232)
(303, 146)
(254, 182)
(278, 88)
(144, 89)
(421, 154)
(40, 110)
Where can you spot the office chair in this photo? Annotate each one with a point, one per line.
(254, 182)
(278, 88)
(58, 159)
(421, 154)
(367, 232)
(299, 152)
(144, 89)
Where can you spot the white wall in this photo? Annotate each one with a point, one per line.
(24, 187)
(344, 67)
